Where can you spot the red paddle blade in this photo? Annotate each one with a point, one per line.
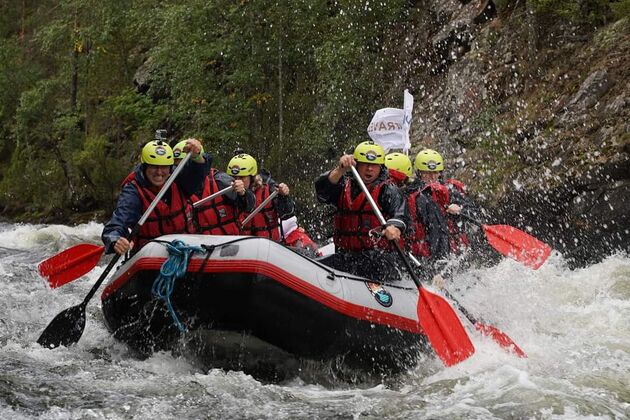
(443, 328)
(70, 264)
(500, 337)
(518, 245)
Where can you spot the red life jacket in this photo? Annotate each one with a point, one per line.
(217, 217)
(265, 223)
(397, 177)
(440, 195)
(130, 177)
(459, 185)
(416, 236)
(354, 220)
(457, 238)
(164, 219)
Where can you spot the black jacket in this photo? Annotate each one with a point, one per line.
(245, 202)
(428, 213)
(282, 204)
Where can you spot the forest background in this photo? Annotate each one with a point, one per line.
(85, 83)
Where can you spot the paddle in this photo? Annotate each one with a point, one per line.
(67, 327)
(213, 196)
(488, 330)
(259, 208)
(437, 319)
(70, 264)
(514, 243)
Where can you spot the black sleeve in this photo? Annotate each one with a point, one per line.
(246, 202)
(223, 181)
(192, 177)
(469, 207)
(435, 225)
(285, 206)
(394, 206)
(326, 191)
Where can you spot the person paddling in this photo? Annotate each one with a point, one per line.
(265, 223)
(217, 216)
(172, 212)
(448, 195)
(427, 237)
(355, 223)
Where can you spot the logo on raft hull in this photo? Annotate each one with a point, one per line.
(381, 295)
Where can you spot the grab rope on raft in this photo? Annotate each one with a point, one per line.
(173, 268)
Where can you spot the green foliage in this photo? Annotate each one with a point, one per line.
(621, 9)
(15, 76)
(83, 83)
(590, 12)
(100, 170)
(126, 114)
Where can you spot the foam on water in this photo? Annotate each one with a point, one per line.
(53, 237)
(573, 325)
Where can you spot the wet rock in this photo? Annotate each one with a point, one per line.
(143, 77)
(524, 113)
(454, 39)
(144, 80)
(444, 9)
(585, 217)
(591, 90)
(618, 104)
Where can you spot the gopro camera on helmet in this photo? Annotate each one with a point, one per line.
(161, 134)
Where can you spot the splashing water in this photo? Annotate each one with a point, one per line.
(573, 325)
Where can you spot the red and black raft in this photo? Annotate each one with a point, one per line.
(249, 303)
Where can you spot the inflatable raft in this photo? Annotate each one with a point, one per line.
(251, 304)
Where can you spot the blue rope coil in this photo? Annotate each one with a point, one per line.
(174, 268)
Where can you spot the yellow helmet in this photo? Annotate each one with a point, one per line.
(399, 162)
(156, 152)
(369, 152)
(242, 165)
(429, 160)
(178, 150)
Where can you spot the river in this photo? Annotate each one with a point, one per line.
(574, 326)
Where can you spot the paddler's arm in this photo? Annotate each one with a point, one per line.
(192, 177)
(392, 201)
(241, 197)
(435, 225)
(246, 202)
(283, 203)
(127, 213)
(329, 185)
(460, 203)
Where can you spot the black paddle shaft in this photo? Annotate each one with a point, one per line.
(460, 307)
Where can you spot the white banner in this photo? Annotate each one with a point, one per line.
(389, 127)
(408, 107)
